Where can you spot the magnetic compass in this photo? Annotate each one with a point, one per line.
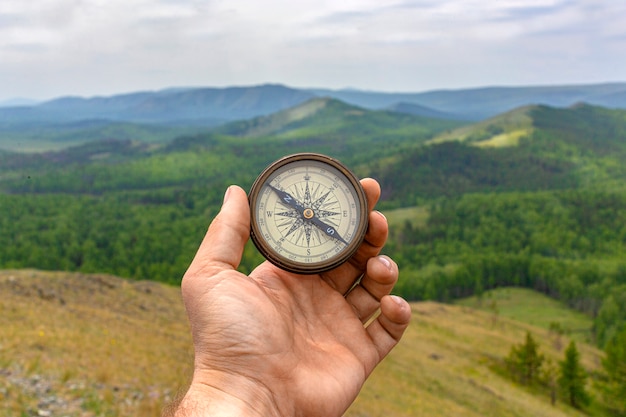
(308, 213)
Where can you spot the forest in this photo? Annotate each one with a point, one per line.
(569, 245)
(547, 214)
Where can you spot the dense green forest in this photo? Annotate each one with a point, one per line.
(548, 213)
(568, 244)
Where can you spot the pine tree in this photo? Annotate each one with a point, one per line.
(614, 389)
(549, 378)
(524, 361)
(573, 377)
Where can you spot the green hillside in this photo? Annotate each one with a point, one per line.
(68, 342)
(503, 130)
(546, 149)
(528, 306)
(333, 119)
(34, 138)
(450, 362)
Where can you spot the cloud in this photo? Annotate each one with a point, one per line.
(94, 46)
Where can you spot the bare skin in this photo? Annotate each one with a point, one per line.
(279, 344)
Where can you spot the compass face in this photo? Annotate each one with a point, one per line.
(308, 212)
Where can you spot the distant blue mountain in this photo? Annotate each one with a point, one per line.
(215, 106)
(207, 106)
(482, 103)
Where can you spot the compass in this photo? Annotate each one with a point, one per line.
(308, 213)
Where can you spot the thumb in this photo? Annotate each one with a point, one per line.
(222, 246)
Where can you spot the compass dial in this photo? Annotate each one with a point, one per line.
(309, 213)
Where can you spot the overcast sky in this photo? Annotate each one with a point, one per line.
(50, 48)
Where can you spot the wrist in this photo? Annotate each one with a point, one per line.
(216, 394)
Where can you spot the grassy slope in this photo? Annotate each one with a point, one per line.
(106, 345)
(101, 345)
(417, 216)
(533, 308)
(502, 130)
(446, 365)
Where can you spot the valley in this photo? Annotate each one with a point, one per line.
(531, 199)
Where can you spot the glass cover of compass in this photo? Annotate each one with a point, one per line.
(308, 213)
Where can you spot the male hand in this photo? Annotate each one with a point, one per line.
(280, 344)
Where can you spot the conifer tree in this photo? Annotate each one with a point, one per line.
(549, 378)
(614, 389)
(573, 377)
(524, 361)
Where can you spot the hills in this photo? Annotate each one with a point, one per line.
(480, 103)
(149, 116)
(324, 124)
(211, 105)
(504, 129)
(533, 197)
(325, 117)
(64, 121)
(530, 148)
(69, 341)
(419, 110)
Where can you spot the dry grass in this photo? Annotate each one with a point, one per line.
(515, 124)
(102, 346)
(505, 139)
(447, 365)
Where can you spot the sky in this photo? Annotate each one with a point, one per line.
(50, 48)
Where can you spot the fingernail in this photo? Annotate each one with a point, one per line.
(385, 261)
(382, 215)
(226, 194)
(397, 300)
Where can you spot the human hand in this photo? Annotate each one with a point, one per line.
(276, 343)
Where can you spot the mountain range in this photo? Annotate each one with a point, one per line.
(206, 106)
(530, 148)
(481, 103)
(212, 106)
